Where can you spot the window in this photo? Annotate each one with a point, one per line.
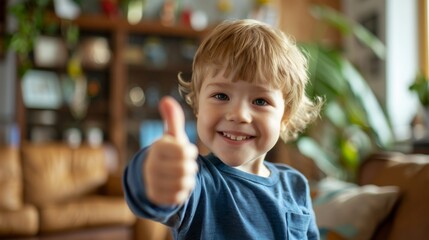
(424, 36)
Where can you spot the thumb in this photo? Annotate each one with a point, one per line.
(173, 117)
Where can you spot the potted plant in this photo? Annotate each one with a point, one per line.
(420, 87)
(353, 123)
(31, 19)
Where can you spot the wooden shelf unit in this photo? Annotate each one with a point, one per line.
(118, 31)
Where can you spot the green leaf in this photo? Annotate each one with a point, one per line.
(346, 26)
(310, 148)
(377, 119)
(421, 87)
(336, 115)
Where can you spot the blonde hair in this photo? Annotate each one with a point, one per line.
(255, 52)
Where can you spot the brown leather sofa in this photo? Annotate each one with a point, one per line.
(52, 191)
(409, 218)
(56, 192)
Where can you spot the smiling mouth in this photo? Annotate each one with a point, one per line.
(234, 137)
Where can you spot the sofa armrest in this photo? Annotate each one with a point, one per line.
(10, 179)
(410, 172)
(370, 168)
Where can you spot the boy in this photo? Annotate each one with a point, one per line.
(247, 90)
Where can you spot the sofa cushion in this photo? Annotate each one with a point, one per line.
(351, 211)
(23, 221)
(410, 172)
(10, 179)
(54, 172)
(85, 212)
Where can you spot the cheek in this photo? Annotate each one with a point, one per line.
(204, 120)
(276, 125)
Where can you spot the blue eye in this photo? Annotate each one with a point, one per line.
(260, 102)
(221, 96)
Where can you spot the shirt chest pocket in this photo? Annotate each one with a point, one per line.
(297, 225)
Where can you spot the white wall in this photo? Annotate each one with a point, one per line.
(401, 63)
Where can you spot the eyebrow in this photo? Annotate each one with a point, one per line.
(219, 85)
(227, 85)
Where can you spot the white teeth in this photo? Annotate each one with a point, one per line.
(234, 137)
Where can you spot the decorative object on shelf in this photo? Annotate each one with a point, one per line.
(42, 125)
(95, 52)
(41, 89)
(199, 20)
(43, 117)
(43, 134)
(225, 9)
(134, 11)
(185, 16)
(78, 102)
(94, 88)
(66, 9)
(168, 12)
(265, 11)
(9, 134)
(50, 52)
(73, 137)
(94, 136)
(155, 53)
(224, 6)
(134, 54)
(110, 7)
(135, 97)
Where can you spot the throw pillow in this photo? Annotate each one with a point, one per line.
(350, 210)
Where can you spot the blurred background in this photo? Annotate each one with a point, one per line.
(91, 73)
(96, 69)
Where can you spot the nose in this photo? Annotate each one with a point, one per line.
(239, 112)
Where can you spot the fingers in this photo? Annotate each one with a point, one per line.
(170, 166)
(169, 179)
(174, 118)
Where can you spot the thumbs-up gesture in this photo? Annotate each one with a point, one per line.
(170, 167)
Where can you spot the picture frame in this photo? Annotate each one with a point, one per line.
(41, 90)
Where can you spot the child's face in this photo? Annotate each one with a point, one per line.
(239, 121)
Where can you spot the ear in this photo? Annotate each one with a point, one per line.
(195, 109)
(283, 125)
(286, 116)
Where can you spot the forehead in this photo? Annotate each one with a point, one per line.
(220, 79)
(231, 76)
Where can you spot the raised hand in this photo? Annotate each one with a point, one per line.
(170, 167)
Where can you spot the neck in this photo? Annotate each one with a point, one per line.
(256, 168)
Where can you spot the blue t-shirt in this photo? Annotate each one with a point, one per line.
(228, 203)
